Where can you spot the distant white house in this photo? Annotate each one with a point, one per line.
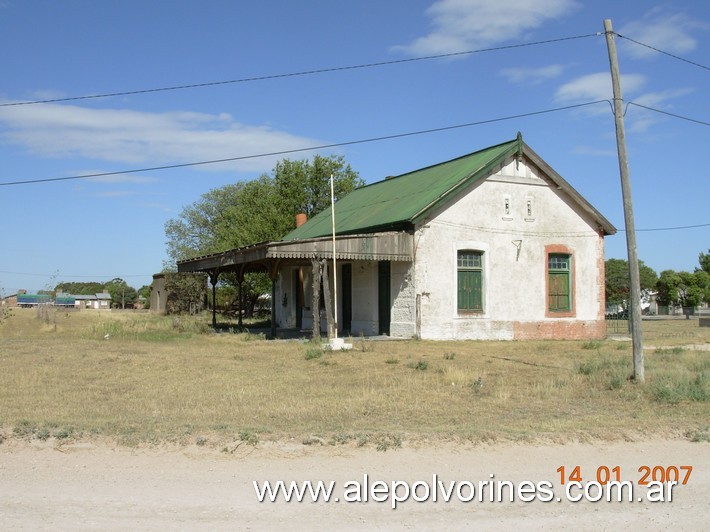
(491, 245)
(100, 301)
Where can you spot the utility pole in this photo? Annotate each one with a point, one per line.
(632, 253)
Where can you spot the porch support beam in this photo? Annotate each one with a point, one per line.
(214, 275)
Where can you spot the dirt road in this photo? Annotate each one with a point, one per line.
(90, 486)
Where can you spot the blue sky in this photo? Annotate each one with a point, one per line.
(113, 226)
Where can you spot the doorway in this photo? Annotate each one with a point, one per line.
(383, 299)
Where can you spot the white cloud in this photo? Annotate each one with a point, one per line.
(642, 119)
(532, 75)
(592, 87)
(460, 25)
(670, 32)
(143, 138)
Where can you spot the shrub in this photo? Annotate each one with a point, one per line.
(248, 437)
(313, 352)
(422, 365)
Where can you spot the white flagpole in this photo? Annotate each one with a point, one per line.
(335, 270)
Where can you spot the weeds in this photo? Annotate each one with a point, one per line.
(673, 390)
(592, 344)
(341, 438)
(422, 365)
(386, 441)
(669, 350)
(365, 346)
(699, 435)
(313, 352)
(249, 437)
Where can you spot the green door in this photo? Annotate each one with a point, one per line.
(384, 304)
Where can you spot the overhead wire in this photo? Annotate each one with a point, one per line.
(336, 144)
(300, 73)
(297, 150)
(662, 51)
(701, 122)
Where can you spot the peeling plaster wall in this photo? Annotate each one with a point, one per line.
(511, 217)
(403, 297)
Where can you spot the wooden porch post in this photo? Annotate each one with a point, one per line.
(326, 297)
(214, 274)
(240, 285)
(274, 274)
(316, 267)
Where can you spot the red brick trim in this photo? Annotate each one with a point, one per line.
(559, 330)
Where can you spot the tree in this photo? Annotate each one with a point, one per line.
(684, 289)
(80, 288)
(704, 259)
(144, 292)
(616, 278)
(121, 293)
(5, 312)
(667, 286)
(304, 186)
(187, 292)
(256, 211)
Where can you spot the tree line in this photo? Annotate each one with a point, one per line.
(672, 288)
(122, 294)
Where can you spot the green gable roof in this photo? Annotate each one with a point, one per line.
(397, 202)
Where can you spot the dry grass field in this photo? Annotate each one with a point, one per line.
(165, 379)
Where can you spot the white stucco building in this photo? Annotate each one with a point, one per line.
(491, 245)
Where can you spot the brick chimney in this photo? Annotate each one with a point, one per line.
(301, 218)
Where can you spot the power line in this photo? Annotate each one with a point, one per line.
(337, 144)
(672, 228)
(297, 150)
(301, 73)
(670, 114)
(663, 52)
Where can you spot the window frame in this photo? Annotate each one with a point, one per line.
(477, 268)
(552, 252)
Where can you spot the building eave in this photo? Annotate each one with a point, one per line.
(391, 246)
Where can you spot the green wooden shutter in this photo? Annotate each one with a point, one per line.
(470, 290)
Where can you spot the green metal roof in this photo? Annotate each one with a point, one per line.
(397, 202)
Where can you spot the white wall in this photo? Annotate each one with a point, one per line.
(403, 297)
(365, 315)
(514, 285)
